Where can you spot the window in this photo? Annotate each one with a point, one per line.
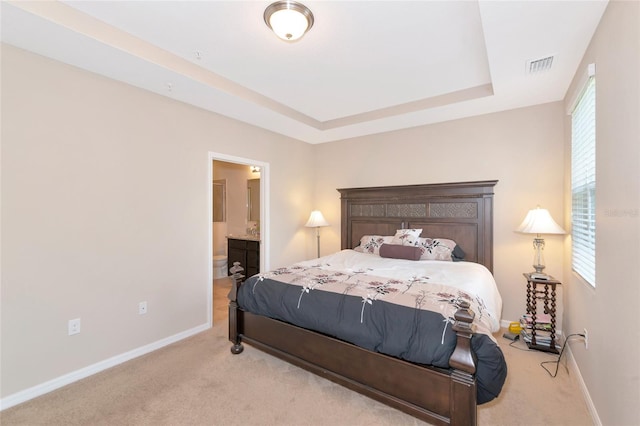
(583, 181)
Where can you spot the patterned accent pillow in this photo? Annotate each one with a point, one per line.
(436, 248)
(406, 237)
(371, 243)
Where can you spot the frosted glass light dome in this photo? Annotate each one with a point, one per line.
(289, 20)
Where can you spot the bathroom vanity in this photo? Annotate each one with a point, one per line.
(246, 250)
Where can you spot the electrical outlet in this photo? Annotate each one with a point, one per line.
(142, 308)
(586, 339)
(74, 326)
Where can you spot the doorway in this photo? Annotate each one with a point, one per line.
(243, 210)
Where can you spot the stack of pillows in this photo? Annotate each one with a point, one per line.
(407, 244)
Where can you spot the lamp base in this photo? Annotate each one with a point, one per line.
(538, 255)
(539, 269)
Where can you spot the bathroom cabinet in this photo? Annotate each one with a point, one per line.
(245, 251)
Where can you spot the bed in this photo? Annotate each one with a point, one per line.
(442, 383)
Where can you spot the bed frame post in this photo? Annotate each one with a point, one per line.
(234, 336)
(463, 386)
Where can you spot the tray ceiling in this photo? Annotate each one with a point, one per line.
(365, 67)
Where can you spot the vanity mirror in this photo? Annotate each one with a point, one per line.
(253, 200)
(219, 200)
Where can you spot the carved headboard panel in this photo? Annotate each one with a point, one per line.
(462, 212)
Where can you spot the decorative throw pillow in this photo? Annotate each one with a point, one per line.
(457, 254)
(371, 243)
(439, 249)
(406, 237)
(395, 251)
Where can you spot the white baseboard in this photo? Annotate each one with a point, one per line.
(74, 376)
(585, 392)
(576, 370)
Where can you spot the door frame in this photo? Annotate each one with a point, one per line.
(264, 224)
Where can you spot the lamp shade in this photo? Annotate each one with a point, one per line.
(539, 221)
(288, 19)
(316, 220)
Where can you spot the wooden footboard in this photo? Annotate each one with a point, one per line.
(435, 395)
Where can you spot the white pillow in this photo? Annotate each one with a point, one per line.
(436, 248)
(371, 243)
(406, 237)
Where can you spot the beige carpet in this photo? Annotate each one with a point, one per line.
(199, 382)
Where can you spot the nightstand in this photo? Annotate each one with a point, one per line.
(541, 336)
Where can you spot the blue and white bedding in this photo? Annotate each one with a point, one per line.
(401, 308)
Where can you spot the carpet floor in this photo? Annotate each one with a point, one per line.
(197, 381)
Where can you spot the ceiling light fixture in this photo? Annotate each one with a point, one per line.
(288, 19)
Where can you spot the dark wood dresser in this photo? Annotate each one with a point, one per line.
(245, 251)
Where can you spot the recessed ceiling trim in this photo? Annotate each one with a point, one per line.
(91, 27)
(89, 37)
(418, 105)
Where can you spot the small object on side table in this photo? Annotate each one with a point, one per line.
(535, 339)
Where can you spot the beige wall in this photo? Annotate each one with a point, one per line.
(105, 193)
(611, 365)
(522, 149)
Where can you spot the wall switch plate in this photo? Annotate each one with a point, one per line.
(74, 326)
(142, 308)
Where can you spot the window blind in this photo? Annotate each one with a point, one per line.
(583, 183)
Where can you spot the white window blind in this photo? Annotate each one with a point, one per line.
(583, 183)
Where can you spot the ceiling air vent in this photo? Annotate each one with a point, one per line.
(539, 65)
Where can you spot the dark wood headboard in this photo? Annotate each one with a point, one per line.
(461, 211)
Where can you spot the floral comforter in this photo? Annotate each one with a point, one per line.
(397, 307)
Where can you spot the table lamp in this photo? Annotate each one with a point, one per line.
(538, 221)
(316, 220)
